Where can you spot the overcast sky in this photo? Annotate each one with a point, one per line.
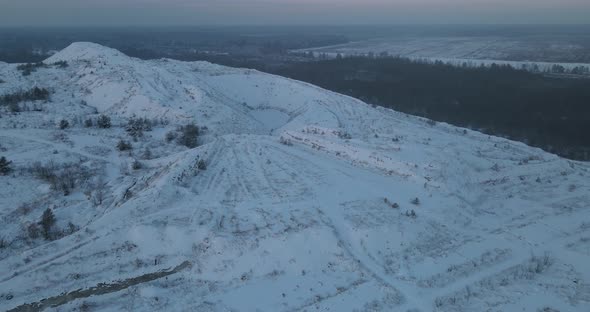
(235, 12)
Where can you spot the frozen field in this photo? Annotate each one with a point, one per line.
(309, 200)
(515, 51)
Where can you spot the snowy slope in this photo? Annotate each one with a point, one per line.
(327, 221)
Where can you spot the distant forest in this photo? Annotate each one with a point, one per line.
(547, 112)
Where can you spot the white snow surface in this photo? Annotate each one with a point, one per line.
(309, 225)
(460, 51)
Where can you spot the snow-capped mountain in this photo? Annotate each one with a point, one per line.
(296, 199)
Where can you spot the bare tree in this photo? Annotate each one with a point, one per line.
(100, 189)
(5, 166)
(47, 222)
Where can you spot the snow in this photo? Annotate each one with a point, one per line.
(267, 226)
(460, 51)
(271, 118)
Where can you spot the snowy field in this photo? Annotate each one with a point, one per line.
(297, 199)
(473, 51)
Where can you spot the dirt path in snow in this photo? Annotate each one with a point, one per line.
(100, 289)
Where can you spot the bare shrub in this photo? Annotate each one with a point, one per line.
(103, 121)
(71, 229)
(136, 127)
(540, 264)
(100, 189)
(64, 177)
(124, 145)
(171, 136)
(47, 222)
(390, 204)
(344, 135)
(5, 166)
(147, 153)
(496, 167)
(64, 124)
(285, 141)
(33, 231)
(189, 135)
(34, 94)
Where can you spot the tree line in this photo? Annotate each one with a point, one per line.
(547, 112)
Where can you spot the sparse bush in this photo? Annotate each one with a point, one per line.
(201, 165)
(3, 243)
(61, 64)
(34, 94)
(88, 123)
(100, 188)
(136, 165)
(171, 136)
(33, 231)
(64, 124)
(147, 153)
(439, 302)
(14, 107)
(28, 68)
(540, 264)
(189, 135)
(136, 126)
(47, 222)
(84, 307)
(344, 135)
(72, 228)
(124, 168)
(5, 167)
(66, 180)
(61, 177)
(392, 205)
(103, 122)
(415, 201)
(124, 146)
(285, 141)
(44, 172)
(61, 137)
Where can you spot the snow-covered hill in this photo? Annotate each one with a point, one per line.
(297, 199)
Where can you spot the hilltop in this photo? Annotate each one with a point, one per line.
(224, 189)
